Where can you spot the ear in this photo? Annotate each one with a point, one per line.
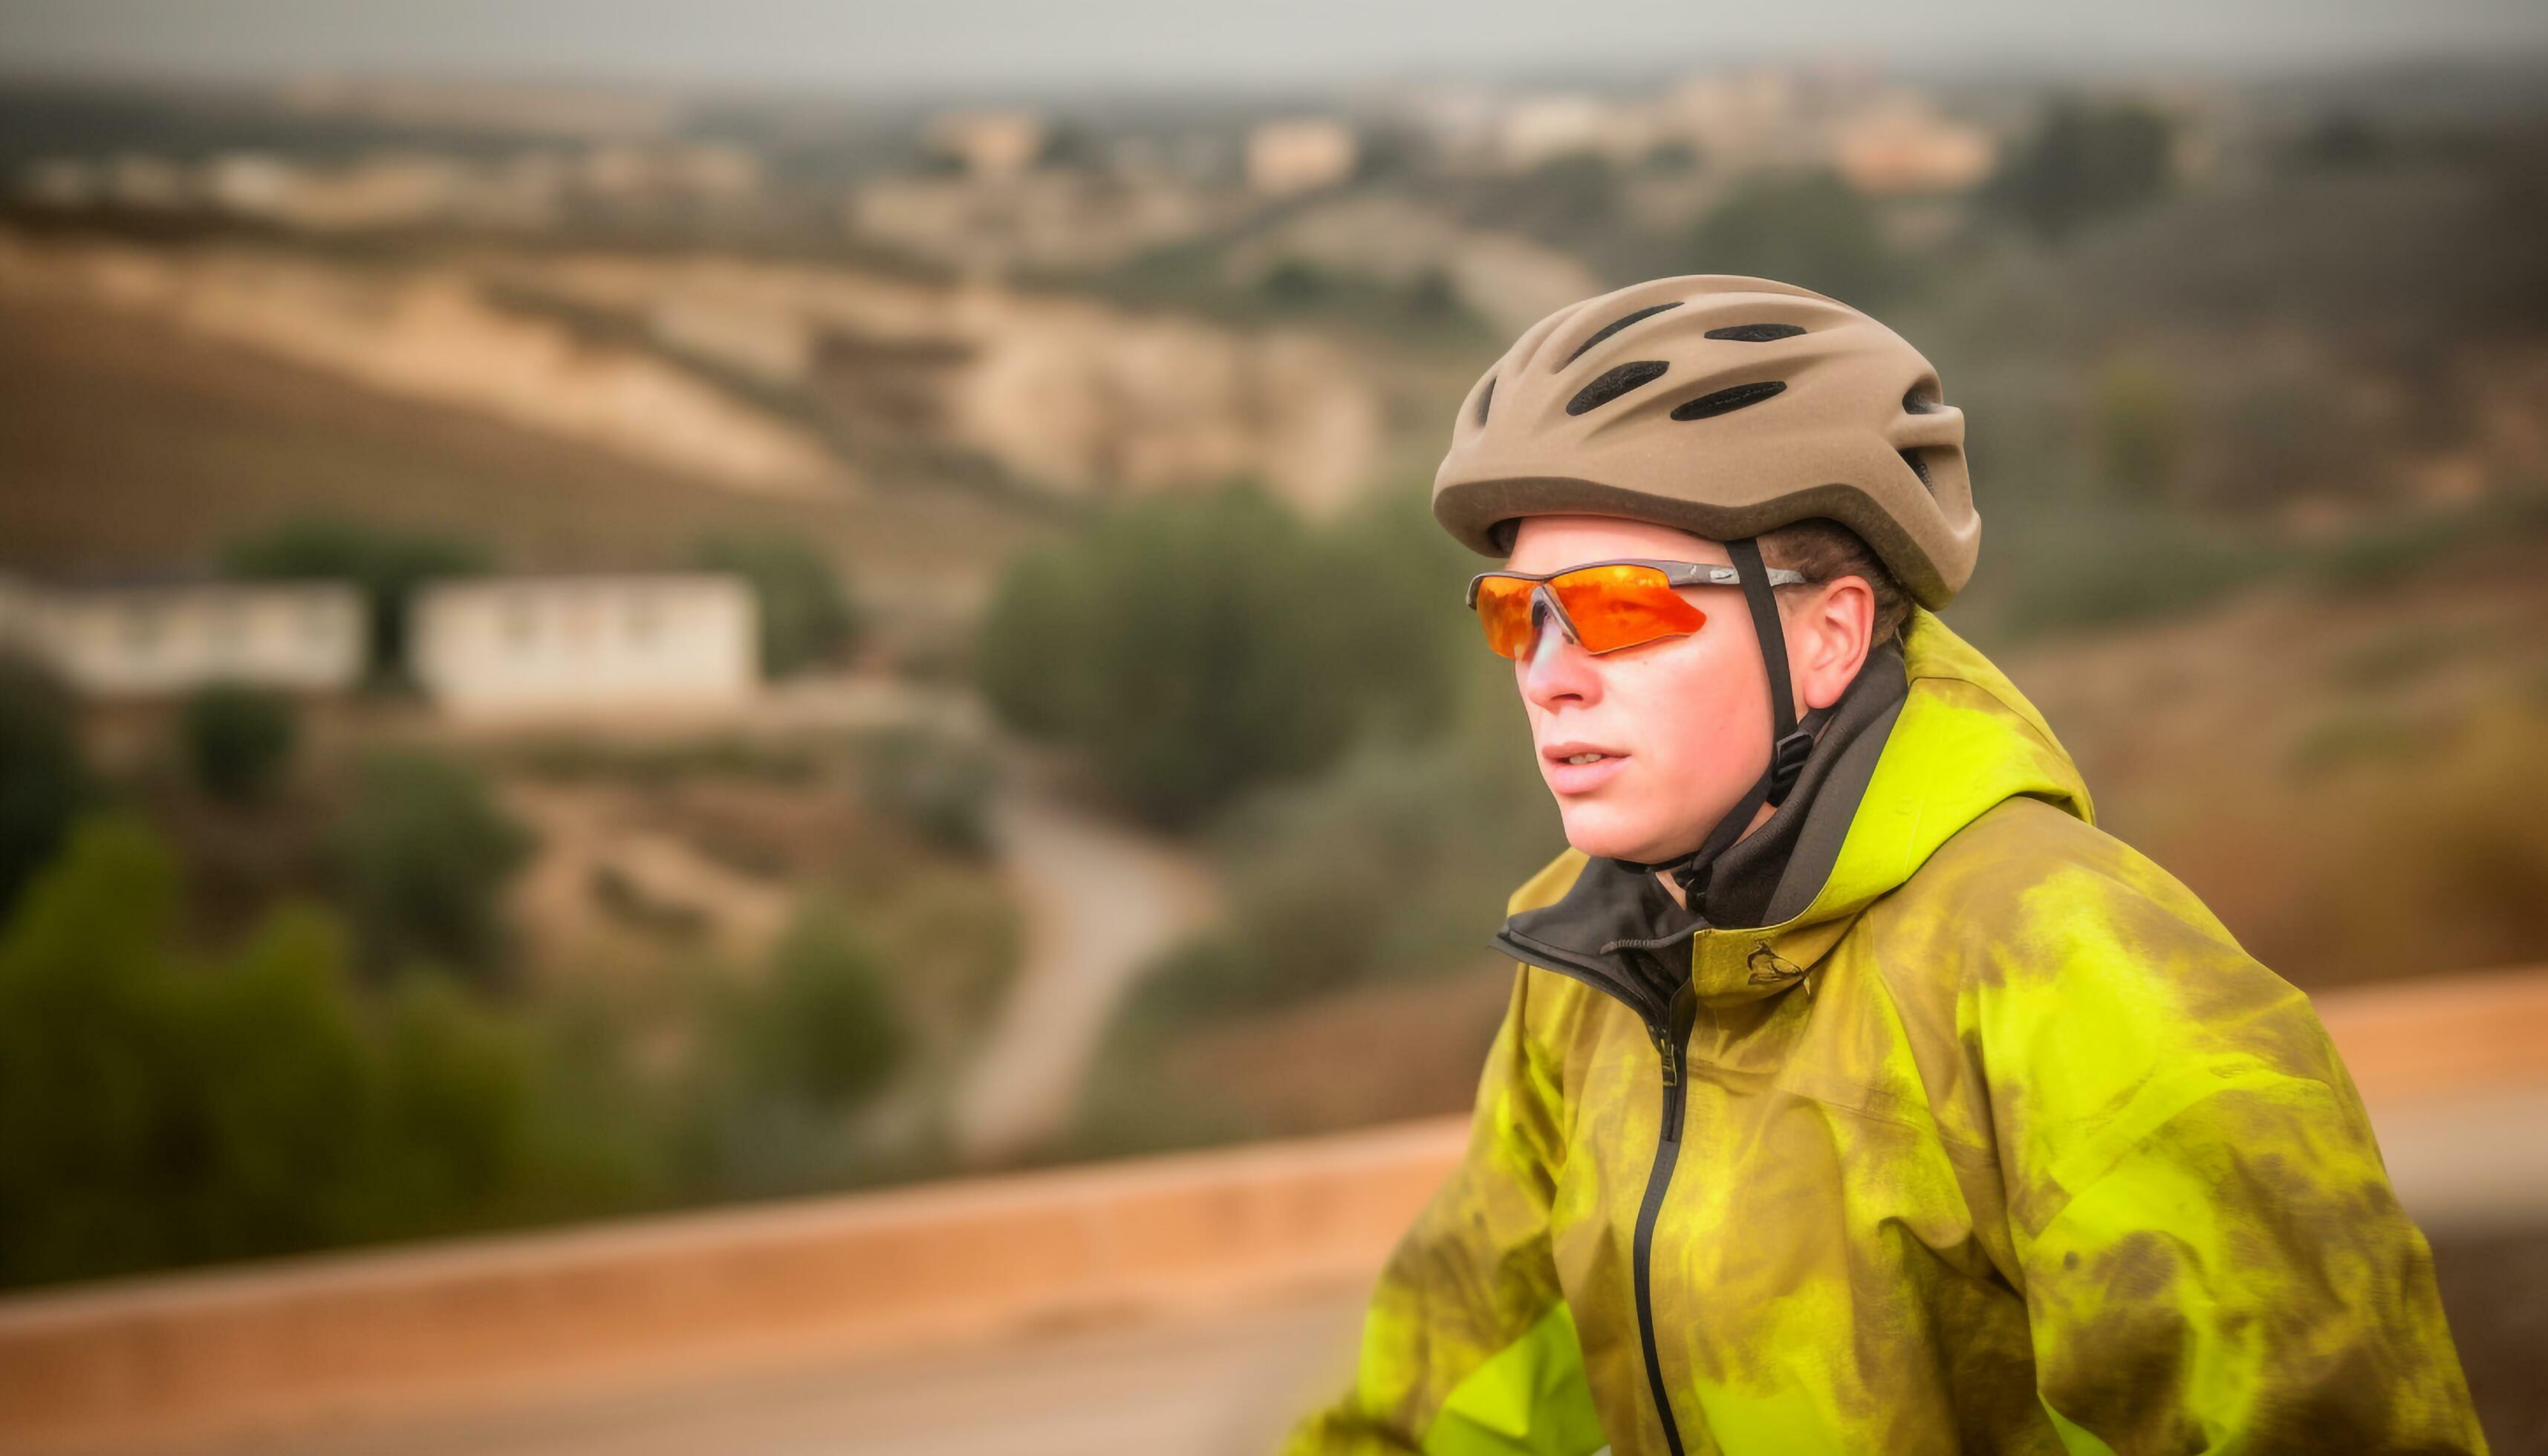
(1828, 636)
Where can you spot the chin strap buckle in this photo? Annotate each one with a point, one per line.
(1788, 761)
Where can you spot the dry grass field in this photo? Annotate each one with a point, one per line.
(132, 445)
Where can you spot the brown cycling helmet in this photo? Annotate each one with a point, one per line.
(1726, 406)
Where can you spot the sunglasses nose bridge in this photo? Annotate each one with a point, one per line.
(1545, 606)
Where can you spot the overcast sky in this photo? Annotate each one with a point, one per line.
(1068, 44)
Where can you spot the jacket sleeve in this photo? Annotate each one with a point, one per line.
(1466, 1343)
(2212, 1256)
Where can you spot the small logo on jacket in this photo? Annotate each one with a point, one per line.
(1768, 967)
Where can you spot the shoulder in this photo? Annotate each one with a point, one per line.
(1550, 884)
(2027, 877)
(2082, 978)
(2046, 930)
(1557, 1017)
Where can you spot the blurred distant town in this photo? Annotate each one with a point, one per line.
(665, 646)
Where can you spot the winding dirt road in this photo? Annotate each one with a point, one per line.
(1101, 900)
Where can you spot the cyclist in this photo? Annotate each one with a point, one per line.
(1856, 1092)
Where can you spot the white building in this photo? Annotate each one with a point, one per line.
(121, 641)
(1300, 154)
(1543, 128)
(993, 145)
(1898, 144)
(1745, 119)
(498, 646)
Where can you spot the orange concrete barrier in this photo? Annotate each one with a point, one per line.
(365, 1334)
(2443, 1035)
(380, 1333)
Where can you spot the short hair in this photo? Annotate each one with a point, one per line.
(1824, 549)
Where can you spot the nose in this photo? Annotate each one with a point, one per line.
(1556, 670)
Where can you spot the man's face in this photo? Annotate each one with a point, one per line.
(1683, 722)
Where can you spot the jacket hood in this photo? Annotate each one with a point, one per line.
(1921, 745)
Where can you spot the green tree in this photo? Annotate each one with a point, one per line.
(1564, 198)
(387, 565)
(824, 1029)
(271, 1064)
(421, 857)
(155, 1110)
(1807, 228)
(42, 777)
(2086, 162)
(239, 739)
(1296, 283)
(1193, 647)
(455, 1110)
(805, 612)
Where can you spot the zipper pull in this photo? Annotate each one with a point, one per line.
(1671, 1055)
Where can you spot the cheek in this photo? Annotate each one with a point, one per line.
(1690, 707)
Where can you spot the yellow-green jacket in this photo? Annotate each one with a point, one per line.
(2000, 1143)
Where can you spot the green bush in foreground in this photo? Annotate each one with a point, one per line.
(42, 777)
(158, 1111)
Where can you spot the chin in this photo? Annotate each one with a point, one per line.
(1599, 830)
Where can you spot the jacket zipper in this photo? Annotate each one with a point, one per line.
(1672, 1042)
(1670, 1032)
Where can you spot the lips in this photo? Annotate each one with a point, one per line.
(1560, 752)
(1571, 779)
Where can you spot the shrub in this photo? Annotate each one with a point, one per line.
(455, 1107)
(1387, 866)
(1195, 648)
(2085, 162)
(2139, 430)
(939, 787)
(2094, 568)
(1809, 228)
(154, 1111)
(421, 857)
(238, 738)
(824, 1029)
(384, 564)
(805, 612)
(41, 779)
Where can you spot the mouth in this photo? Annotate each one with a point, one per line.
(1577, 752)
(1579, 768)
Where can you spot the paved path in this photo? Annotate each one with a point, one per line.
(1221, 1387)
(1101, 899)
(2471, 1165)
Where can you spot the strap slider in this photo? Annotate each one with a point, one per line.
(1788, 759)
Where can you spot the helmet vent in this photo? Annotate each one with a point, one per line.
(1757, 333)
(1918, 402)
(1613, 327)
(1919, 468)
(1617, 382)
(1486, 396)
(1725, 401)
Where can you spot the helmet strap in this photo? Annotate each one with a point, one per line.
(1790, 741)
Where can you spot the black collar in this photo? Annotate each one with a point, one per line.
(1615, 919)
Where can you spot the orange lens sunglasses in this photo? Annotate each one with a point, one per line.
(1603, 606)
